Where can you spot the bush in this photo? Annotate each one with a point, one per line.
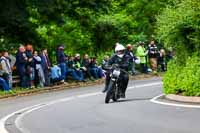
(183, 79)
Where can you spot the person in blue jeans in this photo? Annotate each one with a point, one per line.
(56, 74)
(4, 84)
(71, 70)
(96, 71)
(61, 60)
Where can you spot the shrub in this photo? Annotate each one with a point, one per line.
(183, 79)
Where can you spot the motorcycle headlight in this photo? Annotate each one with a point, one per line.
(116, 73)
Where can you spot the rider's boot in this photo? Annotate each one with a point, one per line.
(123, 95)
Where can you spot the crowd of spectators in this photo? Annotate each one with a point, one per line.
(35, 69)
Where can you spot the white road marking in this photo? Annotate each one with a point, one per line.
(145, 85)
(89, 94)
(30, 109)
(154, 100)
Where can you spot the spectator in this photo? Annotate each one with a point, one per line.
(76, 74)
(95, 69)
(4, 84)
(56, 75)
(61, 60)
(39, 74)
(46, 66)
(142, 53)
(161, 61)
(29, 65)
(21, 60)
(132, 58)
(6, 68)
(153, 54)
(86, 67)
(104, 64)
(105, 61)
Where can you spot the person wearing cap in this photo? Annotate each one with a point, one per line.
(132, 58)
(61, 60)
(122, 60)
(142, 53)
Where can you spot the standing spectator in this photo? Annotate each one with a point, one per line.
(46, 66)
(39, 74)
(142, 53)
(129, 53)
(29, 65)
(153, 54)
(61, 60)
(161, 61)
(6, 68)
(21, 60)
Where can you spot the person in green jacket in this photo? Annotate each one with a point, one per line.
(142, 53)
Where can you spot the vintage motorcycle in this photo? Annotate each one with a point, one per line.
(113, 92)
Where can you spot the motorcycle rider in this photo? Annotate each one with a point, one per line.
(122, 60)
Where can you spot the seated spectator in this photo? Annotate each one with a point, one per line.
(85, 66)
(4, 84)
(96, 71)
(76, 74)
(39, 74)
(6, 68)
(56, 75)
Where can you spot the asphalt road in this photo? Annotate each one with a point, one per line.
(83, 110)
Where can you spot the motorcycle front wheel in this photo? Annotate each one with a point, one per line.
(109, 92)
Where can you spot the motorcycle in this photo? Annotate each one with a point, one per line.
(113, 92)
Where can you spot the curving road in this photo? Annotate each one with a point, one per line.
(82, 110)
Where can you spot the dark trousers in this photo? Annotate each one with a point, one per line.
(143, 68)
(47, 77)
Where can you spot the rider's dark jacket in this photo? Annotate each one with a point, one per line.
(122, 62)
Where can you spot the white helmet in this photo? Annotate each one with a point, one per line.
(137, 61)
(119, 50)
(119, 47)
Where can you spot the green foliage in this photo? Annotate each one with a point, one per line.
(183, 79)
(178, 27)
(89, 25)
